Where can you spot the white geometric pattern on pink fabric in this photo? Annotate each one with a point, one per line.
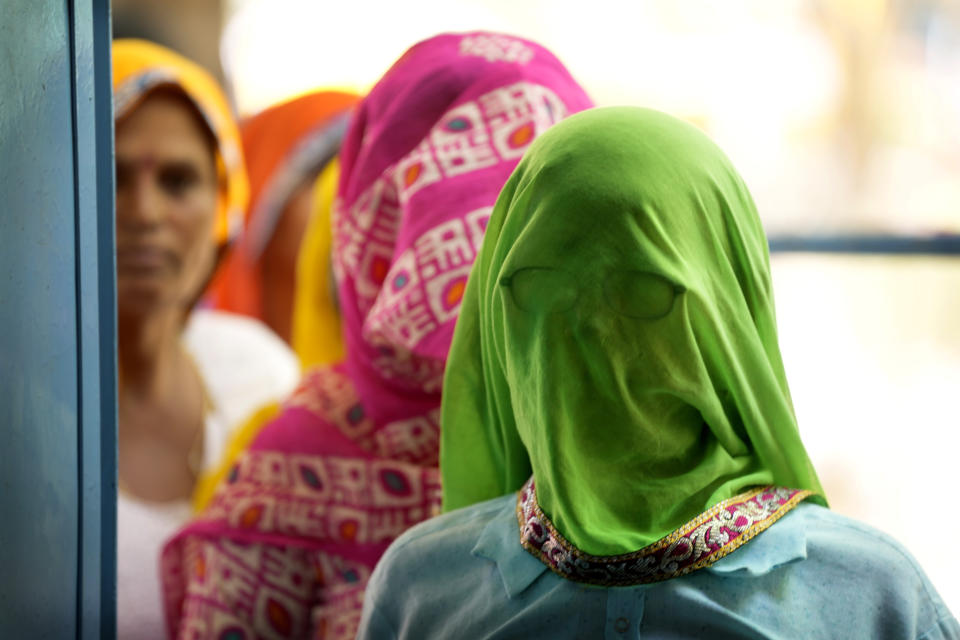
(245, 591)
(406, 298)
(496, 48)
(417, 170)
(423, 290)
(519, 113)
(367, 501)
(461, 142)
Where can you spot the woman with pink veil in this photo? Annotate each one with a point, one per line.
(287, 544)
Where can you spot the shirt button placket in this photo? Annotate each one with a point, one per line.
(624, 613)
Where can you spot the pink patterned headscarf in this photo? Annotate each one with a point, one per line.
(288, 542)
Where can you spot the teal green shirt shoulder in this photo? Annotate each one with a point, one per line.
(813, 574)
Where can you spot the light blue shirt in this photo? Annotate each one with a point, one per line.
(812, 574)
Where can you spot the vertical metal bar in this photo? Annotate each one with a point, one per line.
(106, 267)
(80, 196)
(96, 362)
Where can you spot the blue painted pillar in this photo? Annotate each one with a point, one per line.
(57, 344)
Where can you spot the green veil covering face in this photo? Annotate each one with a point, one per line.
(617, 338)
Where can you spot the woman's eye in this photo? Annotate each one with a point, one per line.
(543, 290)
(177, 181)
(640, 294)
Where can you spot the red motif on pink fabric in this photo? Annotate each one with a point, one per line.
(251, 591)
(327, 498)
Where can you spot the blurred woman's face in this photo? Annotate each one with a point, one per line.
(167, 192)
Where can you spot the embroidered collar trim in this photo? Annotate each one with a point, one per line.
(697, 544)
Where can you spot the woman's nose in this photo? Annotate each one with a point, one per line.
(140, 204)
(591, 314)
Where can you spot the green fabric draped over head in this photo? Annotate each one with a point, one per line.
(617, 338)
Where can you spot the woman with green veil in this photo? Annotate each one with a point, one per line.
(615, 372)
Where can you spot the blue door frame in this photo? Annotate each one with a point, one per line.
(57, 310)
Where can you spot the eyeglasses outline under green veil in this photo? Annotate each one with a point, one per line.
(641, 295)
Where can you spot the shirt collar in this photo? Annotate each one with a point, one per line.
(500, 542)
(781, 544)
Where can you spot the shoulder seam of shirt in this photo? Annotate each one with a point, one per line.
(404, 543)
(892, 543)
(947, 617)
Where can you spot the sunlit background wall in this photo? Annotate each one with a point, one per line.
(842, 115)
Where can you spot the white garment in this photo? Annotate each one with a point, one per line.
(244, 366)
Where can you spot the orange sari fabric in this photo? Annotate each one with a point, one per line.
(284, 146)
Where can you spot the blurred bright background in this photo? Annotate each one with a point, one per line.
(842, 115)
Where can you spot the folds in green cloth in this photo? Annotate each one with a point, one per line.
(618, 338)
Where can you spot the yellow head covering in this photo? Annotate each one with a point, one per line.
(139, 67)
(316, 320)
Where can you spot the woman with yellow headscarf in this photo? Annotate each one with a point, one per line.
(186, 376)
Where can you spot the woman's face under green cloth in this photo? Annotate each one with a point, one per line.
(593, 327)
(618, 337)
